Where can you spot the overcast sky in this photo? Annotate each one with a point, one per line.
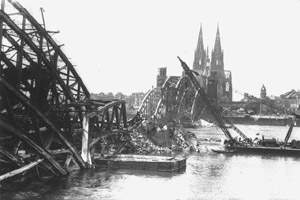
(118, 46)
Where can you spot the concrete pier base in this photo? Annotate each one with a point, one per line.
(142, 162)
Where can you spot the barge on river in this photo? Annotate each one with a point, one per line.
(266, 146)
(283, 151)
(264, 120)
(246, 146)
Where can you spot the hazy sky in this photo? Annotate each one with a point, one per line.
(118, 46)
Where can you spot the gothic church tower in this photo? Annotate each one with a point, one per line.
(200, 55)
(218, 82)
(217, 62)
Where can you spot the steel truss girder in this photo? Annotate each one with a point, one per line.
(43, 87)
(26, 64)
(108, 123)
(186, 100)
(149, 103)
(32, 144)
(35, 118)
(38, 52)
(207, 102)
(175, 100)
(109, 115)
(81, 92)
(167, 105)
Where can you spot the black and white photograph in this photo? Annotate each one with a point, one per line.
(149, 100)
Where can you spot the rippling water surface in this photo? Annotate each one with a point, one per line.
(207, 176)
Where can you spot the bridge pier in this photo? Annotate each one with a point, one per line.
(85, 150)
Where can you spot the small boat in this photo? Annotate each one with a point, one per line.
(223, 151)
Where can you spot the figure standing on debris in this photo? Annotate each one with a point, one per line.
(171, 129)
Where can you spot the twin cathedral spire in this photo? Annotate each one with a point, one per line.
(214, 78)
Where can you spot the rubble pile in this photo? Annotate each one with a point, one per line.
(203, 123)
(149, 137)
(143, 145)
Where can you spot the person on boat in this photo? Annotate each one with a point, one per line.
(256, 141)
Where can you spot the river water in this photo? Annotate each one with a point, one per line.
(207, 176)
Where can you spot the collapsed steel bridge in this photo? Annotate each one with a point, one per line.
(177, 101)
(47, 121)
(182, 100)
(49, 124)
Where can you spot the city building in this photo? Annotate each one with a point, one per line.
(291, 101)
(161, 77)
(133, 101)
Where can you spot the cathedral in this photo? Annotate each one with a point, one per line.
(212, 76)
